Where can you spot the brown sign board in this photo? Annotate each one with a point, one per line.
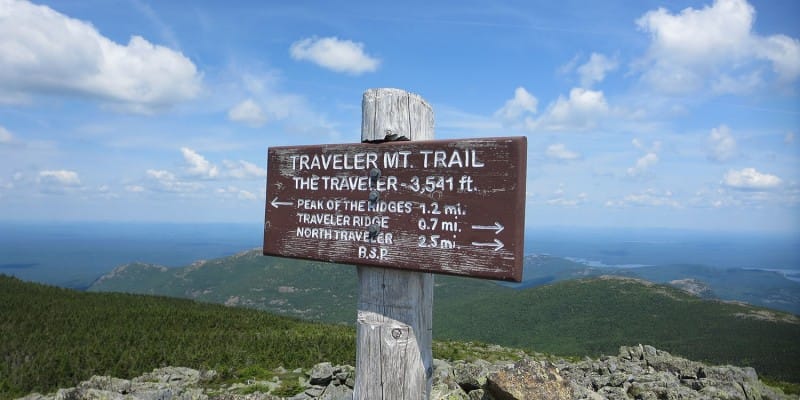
(444, 206)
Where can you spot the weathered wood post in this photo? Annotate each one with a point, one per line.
(401, 210)
(395, 307)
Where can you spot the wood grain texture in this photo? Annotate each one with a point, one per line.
(387, 111)
(395, 307)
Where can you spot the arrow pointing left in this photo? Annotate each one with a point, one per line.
(275, 203)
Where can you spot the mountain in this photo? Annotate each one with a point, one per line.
(759, 287)
(53, 337)
(311, 290)
(588, 316)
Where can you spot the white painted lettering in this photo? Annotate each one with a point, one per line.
(373, 253)
(438, 158)
(404, 155)
(391, 160)
(475, 162)
(306, 183)
(425, 154)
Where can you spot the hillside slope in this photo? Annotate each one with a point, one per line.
(758, 287)
(583, 317)
(595, 316)
(52, 337)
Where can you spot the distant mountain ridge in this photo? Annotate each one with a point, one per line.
(202, 280)
(592, 315)
(758, 287)
(54, 338)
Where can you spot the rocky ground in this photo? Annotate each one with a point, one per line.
(638, 372)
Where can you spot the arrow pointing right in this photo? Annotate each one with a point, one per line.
(497, 244)
(497, 227)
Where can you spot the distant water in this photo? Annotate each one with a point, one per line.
(630, 248)
(75, 254)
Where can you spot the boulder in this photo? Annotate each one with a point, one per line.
(337, 392)
(321, 374)
(471, 376)
(176, 376)
(528, 379)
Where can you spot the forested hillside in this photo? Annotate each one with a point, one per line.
(52, 337)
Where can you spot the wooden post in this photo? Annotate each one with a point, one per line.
(395, 307)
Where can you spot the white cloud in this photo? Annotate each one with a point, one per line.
(647, 198)
(643, 164)
(713, 46)
(558, 199)
(5, 136)
(722, 145)
(646, 161)
(523, 102)
(784, 53)
(59, 177)
(743, 84)
(334, 54)
(45, 52)
(160, 175)
(104, 192)
(134, 188)
(569, 67)
(197, 165)
(58, 181)
(245, 195)
(581, 111)
(165, 181)
(750, 179)
(266, 102)
(249, 113)
(559, 151)
(233, 191)
(595, 70)
(789, 138)
(244, 170)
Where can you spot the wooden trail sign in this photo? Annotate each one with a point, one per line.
(451, 206)
(415, 207)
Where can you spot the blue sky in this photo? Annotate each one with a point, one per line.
(673, 114)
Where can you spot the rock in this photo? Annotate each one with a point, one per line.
(638, 372)
(727, 372)
(342, 373)
(35, 396)
(178, 376)
(337, 392)
(321, 374)
(664, 362)
(612, 393)
(528, 379)
(471, 376)
(478, 394)
(632, 353)
(443, 393)
(443, 376)
(315, 391)
(693, 287)
(661, 385)
(107, 383)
